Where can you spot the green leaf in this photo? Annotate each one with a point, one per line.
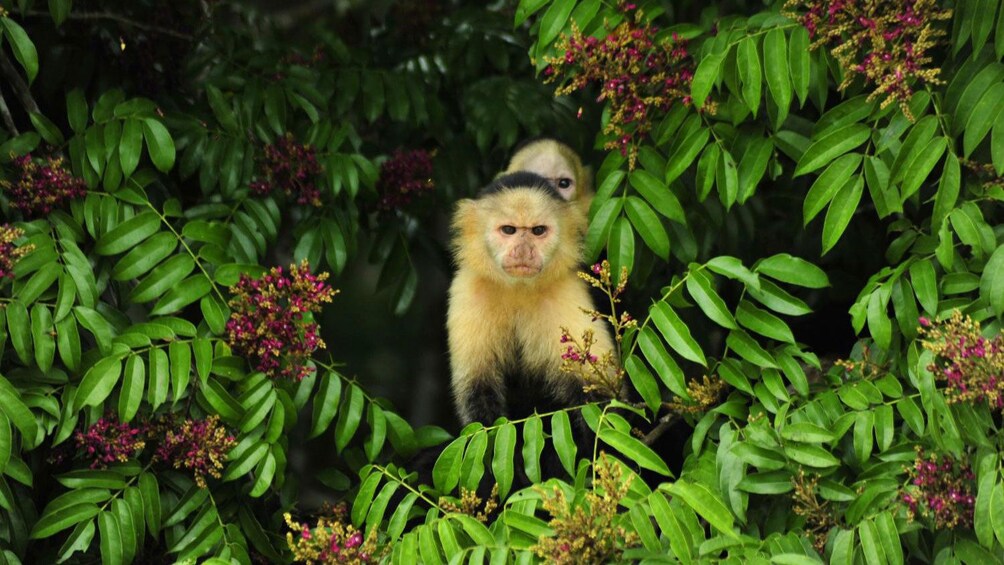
(992, 281)
(871, 544)
(159, 144)
(811, 455)
(564, 440)
(677, 333)
(948, 190)
(681, 159)
(705, 78)
(793, 270)
(621, 246)
(920, 168)
(658, 194)
(38, 284)
(128, 234)
(747, 348)
(750, 73)
(526, 9)
(349, 417)
(707, 168)
(836, 175)
(6, 442)
(634, 450)
(665, 367)
(98, 382)
(775, 61)
(130, 146)
(533, 445)
(502, 458)
(700, 499)
(41, 331)
(700, 288)
(162, 278)
(643, 382)
(648, 226)
(840, 212)
(600, 226)
(48, 130)
(830, 146)
(159, 378)
(763, 322)
(446, 471)
(798, 62)
(76, 110)
(54, 522)
(145, 256)
(326, 400)
(133, 382)
(553, 22)
(23, 48)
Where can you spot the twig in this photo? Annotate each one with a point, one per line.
(17, 83)
(120, 19)
(8, 120)
(664, 424)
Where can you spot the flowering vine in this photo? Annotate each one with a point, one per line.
(971, 365)
(41, 187)
(271, 323)
(407, 174)
(330, 540)
(200, 446)
(108, 441)
(601, 373)
(590, 531)
(884, 41)
(941, 490)
(10, 252)
(290, 167)
(639, 74)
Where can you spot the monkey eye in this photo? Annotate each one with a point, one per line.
(508, 230)
(539, 230)
(564, 182)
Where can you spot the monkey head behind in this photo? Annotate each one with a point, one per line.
(519, 231)
(559, 164)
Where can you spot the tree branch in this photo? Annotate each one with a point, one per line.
(664, 424)
(8, 120)
(120, 19)
(17, 83)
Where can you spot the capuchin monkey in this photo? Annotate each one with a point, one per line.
(559, 164)
(517, 248)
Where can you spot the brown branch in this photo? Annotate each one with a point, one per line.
(84, 16)
(664, 424)
(8, 120)
(17, 83)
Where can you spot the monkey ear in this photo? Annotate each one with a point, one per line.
(466, 216)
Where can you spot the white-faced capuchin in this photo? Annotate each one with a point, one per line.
(559, 164)
(517, 247)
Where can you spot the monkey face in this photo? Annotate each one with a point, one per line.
(522, 250)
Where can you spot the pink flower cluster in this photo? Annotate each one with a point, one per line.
(407, 174)
(884, 41)
(971, 365)
(110, 441)
(10, 252)
(290, 167)
(330, 540)
(40, 188)
(639, 74)
(201, 446)
(941, 491)
(271, 323)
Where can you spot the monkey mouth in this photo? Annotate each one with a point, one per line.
(522, 270)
